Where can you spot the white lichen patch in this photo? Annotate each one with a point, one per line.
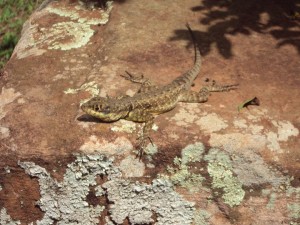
(90, 87)
(66, 35)
(285, 130)
(82, 15)
(65, 202)
(256, 129)
(190, 114)
(26, 45)
(221, 170)
(120, 146)
(234, 142)
(187, 115)
(137, 202)
(5, 219)
(62, 36)
(124, 126)
(211, 123)
(273, 143)
(131, 166)
(240, 123)
(7, 96)
(281, 131)
(251, 169)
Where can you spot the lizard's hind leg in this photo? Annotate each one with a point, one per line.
(218, 88)
(203, 94)
(146, 84)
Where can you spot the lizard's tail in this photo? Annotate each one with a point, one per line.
(188, 77)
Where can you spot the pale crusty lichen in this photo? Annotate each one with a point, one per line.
(5, 219)
(63, 35)
(137, 202)
(92, 87)
(124, 126)
(67, 35)
(220, 169)
(120, 146)
(131, 166)
(65, 202)
(77, 15)
(211, 123)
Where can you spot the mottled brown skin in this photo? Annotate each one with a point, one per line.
(151, 100)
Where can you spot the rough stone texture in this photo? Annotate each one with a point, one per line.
(211, 163)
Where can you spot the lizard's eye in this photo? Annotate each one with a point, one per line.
(106, 109)
(97, 108)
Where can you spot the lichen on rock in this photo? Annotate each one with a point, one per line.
(66, 202)
(5, 219)
(220, 169)
(138, 201)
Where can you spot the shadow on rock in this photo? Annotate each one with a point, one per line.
(273, 17)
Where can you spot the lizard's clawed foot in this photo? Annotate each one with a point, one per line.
(133, 78)
(142, 145)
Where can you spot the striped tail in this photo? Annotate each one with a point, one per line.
(188, 77)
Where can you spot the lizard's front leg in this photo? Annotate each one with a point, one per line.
(145, 135)
(146, 84)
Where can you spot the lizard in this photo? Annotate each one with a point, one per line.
(152, 100)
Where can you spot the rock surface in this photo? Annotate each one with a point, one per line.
(210, 163)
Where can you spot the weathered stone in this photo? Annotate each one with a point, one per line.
(209, 163)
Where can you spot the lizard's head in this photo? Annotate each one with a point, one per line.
(105, 109)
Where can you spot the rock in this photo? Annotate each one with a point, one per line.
(209, 163)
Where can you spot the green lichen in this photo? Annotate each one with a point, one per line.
(272, 200)
(201, 217)
(220, 169)
(181, 173)
(192, 153)
(294, 210)
(151, 149)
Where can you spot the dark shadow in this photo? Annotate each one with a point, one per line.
(88, 118)
(103, 3)
(278, 18)
(91, 119)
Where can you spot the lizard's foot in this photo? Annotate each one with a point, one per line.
(142, 145)
(135, 79)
